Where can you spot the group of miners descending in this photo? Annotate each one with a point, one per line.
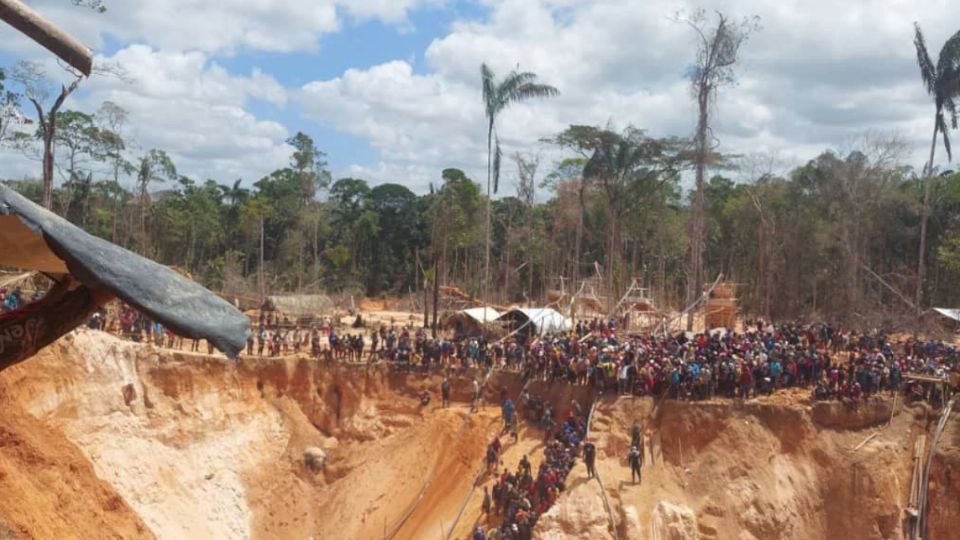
(517, 499)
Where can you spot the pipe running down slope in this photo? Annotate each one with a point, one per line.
(603, 490)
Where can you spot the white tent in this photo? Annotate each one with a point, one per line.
(949, 313)
(482, 315)
(543, 320)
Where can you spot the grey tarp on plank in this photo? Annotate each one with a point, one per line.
(175, 301)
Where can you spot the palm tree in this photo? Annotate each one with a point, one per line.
(497, 96)
(627, 168)
(943, 83)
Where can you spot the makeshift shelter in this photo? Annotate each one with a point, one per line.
(536, 321)
(953, 314)
(721, 310)
(88, 271)
(301, 306)
(470, 322)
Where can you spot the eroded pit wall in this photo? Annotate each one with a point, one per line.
(944, 488)
(106, 435)
(203, 447)
(774, 468)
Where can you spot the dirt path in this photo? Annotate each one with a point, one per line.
(530, 444)
(451, 477)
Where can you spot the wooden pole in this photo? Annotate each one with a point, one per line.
(263, 281)
(25, 19)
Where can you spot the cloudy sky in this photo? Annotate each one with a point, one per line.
(390, 88)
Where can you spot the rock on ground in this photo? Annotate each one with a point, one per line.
(578, 514)
(673, 522)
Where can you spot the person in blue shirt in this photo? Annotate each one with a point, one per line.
(775, 370)
(13, 301)
(508, 411)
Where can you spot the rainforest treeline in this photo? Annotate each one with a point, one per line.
(836, 237)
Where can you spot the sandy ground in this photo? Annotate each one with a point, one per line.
(530, 444)
(201, 448)
(758, 470)
(106, 436)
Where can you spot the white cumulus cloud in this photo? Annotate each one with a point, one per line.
(806, 82)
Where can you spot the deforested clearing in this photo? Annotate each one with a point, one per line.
(151, 442)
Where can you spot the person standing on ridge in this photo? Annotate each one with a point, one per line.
(445, 393)
(590, 457)
(636, 461)
(508, 411)
(475, 397)
(636, 434)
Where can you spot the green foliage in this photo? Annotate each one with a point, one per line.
(804, 241)
(96, 5)
(9, 108)
(949, 253)
(498, 95)
(309, 164)
(155, 166)
(942, 82)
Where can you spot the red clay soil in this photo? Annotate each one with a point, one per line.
(48, 488)
(776, 467)
(771, 468)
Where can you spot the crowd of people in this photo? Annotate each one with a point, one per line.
(830, 361)
(517, 499)
(12, 300)
(833, 362)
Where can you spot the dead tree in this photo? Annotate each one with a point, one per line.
(717, 50)
(33, 79)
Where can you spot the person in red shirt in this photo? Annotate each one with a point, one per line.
(746, 381)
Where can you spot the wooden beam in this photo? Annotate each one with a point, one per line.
(25, 19)
(924, 378)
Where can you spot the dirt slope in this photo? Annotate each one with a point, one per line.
(202, 447)
(760, 470)
(48, 489)
(125, 441)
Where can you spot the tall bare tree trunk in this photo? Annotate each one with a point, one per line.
(530, 260)
(579, 240)
(48, 126)
(48, 163)
(924, 216)
(697, 223)
(436, 294)
(426, 305)
(426, 301)
(506, 258)
(300, 264)
(316, 250)
(761, 265)
(662, 279)
(611, 265)
(486, 256)
(263, 281)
